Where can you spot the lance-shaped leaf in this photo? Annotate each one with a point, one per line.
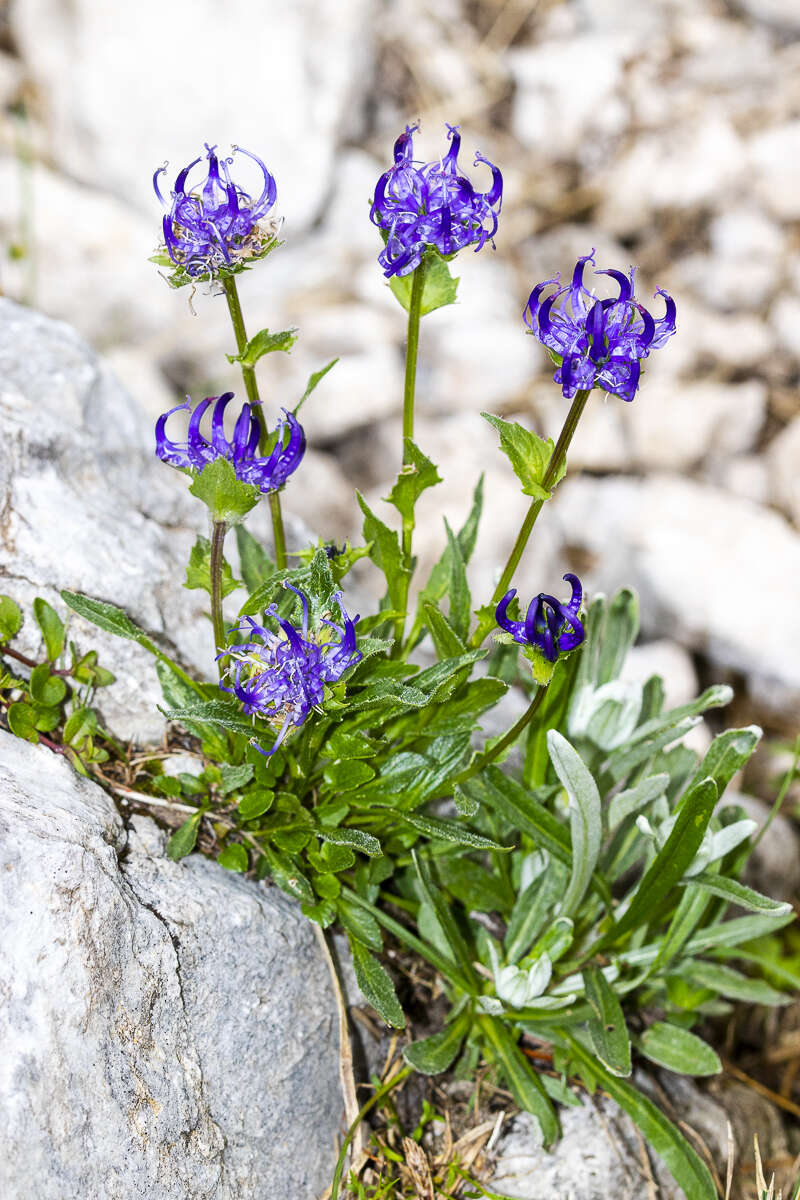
(435, 898)
(733, 984)
(256, 565)
(313, 379)
(671, 862)
(385, 553)
(52, 627)
(525, 1084)
(738, 893)
(607, 1028)
(685, 1165)
(448, 831)
(586, 821)
(376, 985)
(432, 1055)
(621, 628)
(727, 754)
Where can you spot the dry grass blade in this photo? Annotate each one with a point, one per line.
(731, 1157)
(775, 1097)
(346, 1076)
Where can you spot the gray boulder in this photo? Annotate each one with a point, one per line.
(169, 1029)
(86, 505)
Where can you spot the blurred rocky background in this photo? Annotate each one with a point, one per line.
(665, 134)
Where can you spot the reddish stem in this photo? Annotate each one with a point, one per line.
(31, 662)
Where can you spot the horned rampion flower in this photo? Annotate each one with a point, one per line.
(420, 205)
(213, 226)
(551, 626)
(597, 343)
(266, 473)
(282, 677)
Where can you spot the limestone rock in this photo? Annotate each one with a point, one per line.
(83, 495)
(303, 97)
(783, 459)
(703, 561)
(169, 1028)
(774, 156)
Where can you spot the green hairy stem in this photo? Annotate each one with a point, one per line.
(251, 388)
(550, 475)
(217, 542)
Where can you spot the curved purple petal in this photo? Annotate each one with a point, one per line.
(495, 192)
(517, 628)
(624, 282)
(218, 439)
(576, 599)
(168, 451)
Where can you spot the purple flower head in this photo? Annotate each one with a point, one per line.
(552, 626)
(281, 677)
(418, 205)
(267, 473)
(599, 343)
(213, 224)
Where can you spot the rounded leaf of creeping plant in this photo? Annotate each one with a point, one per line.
(47, 719)
(46, 689)
(21, 719)
(10, 618)
(234, 857)
(183, 840)
(52, 628)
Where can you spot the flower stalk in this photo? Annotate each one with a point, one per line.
(412, 349)
(218, 532)
(551, 474)
(251, 388)
(508, 739)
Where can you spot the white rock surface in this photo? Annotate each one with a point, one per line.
(87, 506)
(785, 320)
(90, 253)
(677, 167)
(670, 661)
(783, 14)
(774, 157)
(549, 108)
(705, 564)
(783, 463)
(83, 497)
(112, 120)
(168, 1029)
(774, 866)
(676, 423)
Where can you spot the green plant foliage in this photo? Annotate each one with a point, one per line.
(574, 880)
(45, 702)
(439, 288)
(198, 570)
(528, 454)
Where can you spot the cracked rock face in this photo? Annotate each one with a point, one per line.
(168, 1029)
